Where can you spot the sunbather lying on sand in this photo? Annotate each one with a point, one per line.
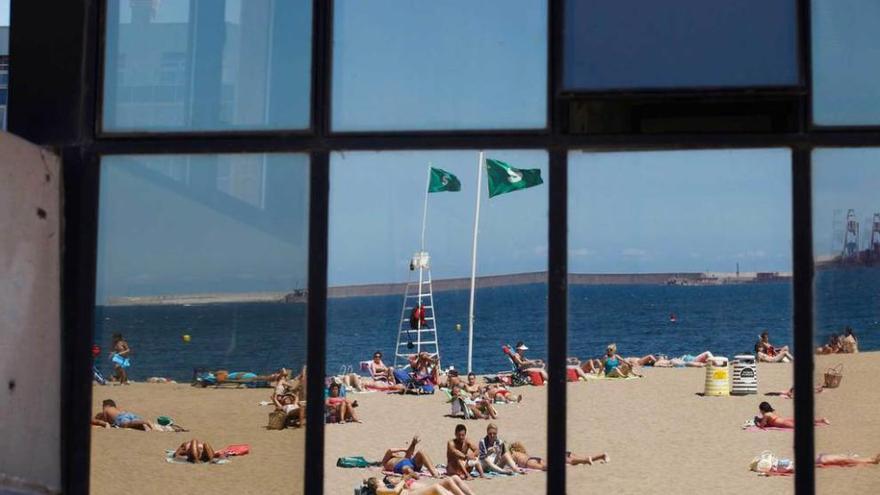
(769, 418)
(688, 360)
(110, 415)
(407, 485)
(523, 460)
(196, 451)
(789, 394)
(408, 460)
(786, 466)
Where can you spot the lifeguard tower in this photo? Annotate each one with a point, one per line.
(416, 335)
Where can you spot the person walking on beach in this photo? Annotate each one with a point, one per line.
(494, 455)
(462, 455)
(120, 359)
(408, 460)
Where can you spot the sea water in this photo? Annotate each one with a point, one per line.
(725, 319)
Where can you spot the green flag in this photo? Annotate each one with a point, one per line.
(504, 179)
(442, 180)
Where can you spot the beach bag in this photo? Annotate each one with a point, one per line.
(352, 462)
(277, 420)
(833, 376)
(763, 463)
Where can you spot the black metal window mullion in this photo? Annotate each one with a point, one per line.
(557, 321)
(802, 321)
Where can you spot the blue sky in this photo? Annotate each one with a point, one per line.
(702, 210)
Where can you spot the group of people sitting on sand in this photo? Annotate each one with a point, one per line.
(843, 343)
(465, 460)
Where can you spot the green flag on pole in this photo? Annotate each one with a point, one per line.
(504, 179)
(442, 180)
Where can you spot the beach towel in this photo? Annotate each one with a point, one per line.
(171, 459)
(354, 462)
(234, 450)
(603, 377)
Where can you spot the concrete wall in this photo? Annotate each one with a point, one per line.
(30, 312)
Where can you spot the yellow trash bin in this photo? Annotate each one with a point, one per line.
(717, 377)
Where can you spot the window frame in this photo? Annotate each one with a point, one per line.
(57, 105)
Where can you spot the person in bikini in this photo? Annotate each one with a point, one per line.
(462, 454)
(769, 418)
(524, 460)
(849, 344)
(407, 485)
(378, 370)
(342, 408)
(289, 403)
(686, 360)
(408, 460)
(110, 415)
(195, 451)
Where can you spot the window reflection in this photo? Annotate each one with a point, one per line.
(678, 262)
(846, 244)
(379, 318)
(207, 65)
(202, 270)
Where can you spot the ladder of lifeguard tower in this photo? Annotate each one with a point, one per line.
(419, 290)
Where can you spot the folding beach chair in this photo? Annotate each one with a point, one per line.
(517, 377)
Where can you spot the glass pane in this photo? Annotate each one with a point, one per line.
(846, 244)
(202, 271)
(377, 205)
(678, 260)
(845, 69)
(679, 44)
(195, 65)
(439, 65)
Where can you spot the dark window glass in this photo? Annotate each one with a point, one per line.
(644, 44)
(439, 65)
(846, 52)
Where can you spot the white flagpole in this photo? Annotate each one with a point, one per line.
(474, 264)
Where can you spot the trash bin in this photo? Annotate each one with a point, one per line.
(745, 375)
(717, 377)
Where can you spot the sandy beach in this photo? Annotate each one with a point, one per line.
(659, 433)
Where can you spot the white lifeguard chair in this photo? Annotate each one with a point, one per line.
(419, 292)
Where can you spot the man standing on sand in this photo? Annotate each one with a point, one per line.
(110, 415)
(494, 455)
(461, 455)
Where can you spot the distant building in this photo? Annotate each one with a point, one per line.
(4, 74)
